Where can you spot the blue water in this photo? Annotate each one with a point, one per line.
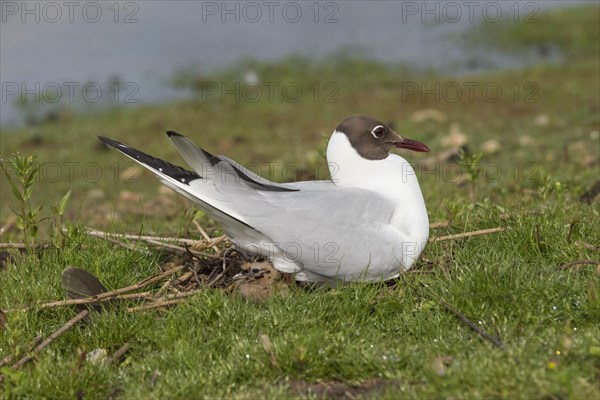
(57, 48)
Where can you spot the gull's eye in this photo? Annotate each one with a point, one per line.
(378, 132)
(255, 270)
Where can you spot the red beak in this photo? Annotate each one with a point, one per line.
(411, 145)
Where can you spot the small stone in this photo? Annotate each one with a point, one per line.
(541, 120)
(455, 138)
(96, 356)
(526, 141)
(429, 114)
(491, 146)
(127, 196)
(96, 194)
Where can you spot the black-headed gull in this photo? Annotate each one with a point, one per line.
(369, 222)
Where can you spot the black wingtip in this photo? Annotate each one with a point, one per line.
(173, 133)
(109, 141)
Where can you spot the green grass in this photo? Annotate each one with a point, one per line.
(371, 340)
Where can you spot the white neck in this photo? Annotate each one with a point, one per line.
(393, 178)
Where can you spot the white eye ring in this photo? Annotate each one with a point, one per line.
(378, 132)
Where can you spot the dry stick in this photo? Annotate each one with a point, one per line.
(163, 288)
(181, 251)
(588, 246)
(136, 286)
(579, 262)
(156, 305)
(196, 278)
(184, 278)
(216, 241)
(213, 243)
(114, 293)
(97, 233)
(6, 360)
(24, 246)
(571, 227)
(468, 234)
(51, 338)
(177, 299)
(153, 240)
(70, 302)
(204, 234)
(161, 239)
(492, 339)
(166, 300)
(127, 245)
(169, 283)
(179, 295)
(118, 354)
(130, 296)
(222, 274)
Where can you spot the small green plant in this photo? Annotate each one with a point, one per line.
(21, 173)
(549, 186)
(58, 209)
(470, 162)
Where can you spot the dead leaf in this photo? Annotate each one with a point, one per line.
(268, 346)
(80, 284)
(440, 364)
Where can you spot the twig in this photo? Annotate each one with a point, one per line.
(163, 242)
(222, 274)
(141, 284)
(180, 295)
(196, 278)
(6, 360)
(468, 234)
(170, 283)
(154, 240)
(156, 305)
(127, 246)
(51, 338)
(118, 354)
(24, 246)
(213, 243)
(576, 263)
(571, 227)
(492, 339)
(178, 250)
(114, 293)
(90, 300)
(97, 233)
(588, 246)
(216, 241)
(204, 234)
(184, 278)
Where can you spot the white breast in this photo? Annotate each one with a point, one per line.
(393, 178)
